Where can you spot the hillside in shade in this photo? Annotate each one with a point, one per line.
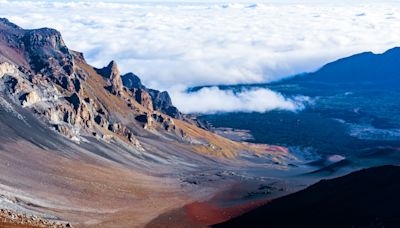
(366, 198)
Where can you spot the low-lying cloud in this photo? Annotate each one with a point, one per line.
(214, 100)
(185, 44)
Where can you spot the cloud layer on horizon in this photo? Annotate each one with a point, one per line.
(185, 44)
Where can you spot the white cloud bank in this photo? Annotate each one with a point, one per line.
(214, 100)
(188, 44)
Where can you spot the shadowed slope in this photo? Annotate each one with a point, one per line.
(366, 198)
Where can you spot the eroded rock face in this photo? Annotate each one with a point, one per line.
(7, 68)
(29, 99)
(53, 81)
(166, 122)
(144, 98)
(160, 101)
(47, 53)
(39, 52)
(151, 121)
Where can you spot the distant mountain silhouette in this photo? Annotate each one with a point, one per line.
(366, 198)
(365, 69)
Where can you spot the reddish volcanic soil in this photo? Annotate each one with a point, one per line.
(11, 225)
(202, 214)
(208, 213)
(224, 206)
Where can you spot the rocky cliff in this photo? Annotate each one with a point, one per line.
(39, 72)
(160, 101)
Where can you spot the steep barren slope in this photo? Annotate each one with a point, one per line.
(78, 146)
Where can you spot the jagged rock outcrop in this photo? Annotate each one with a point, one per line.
(131, 80)
(7, 68)
(29, 99)
(55, 82)
(149, 98)
(47, 52)
(144, 98)
(160, 101)
(140, 92)
(42, 73)
(38, 52)
(112, 74)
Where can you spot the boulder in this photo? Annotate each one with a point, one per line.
(7, 68)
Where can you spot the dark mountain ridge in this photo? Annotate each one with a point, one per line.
(365, 70)
(361, 70)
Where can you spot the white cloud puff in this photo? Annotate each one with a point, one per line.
(214, 100)
(188, 44)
